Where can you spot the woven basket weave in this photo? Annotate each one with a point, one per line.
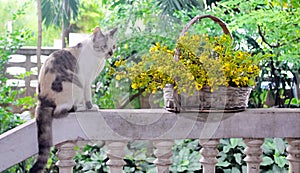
(224, 99)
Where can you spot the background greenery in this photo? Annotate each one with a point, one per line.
(258, 26)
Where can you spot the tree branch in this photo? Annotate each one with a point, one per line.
(131, 98)
(261, 34)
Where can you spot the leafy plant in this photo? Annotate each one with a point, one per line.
(292, 102)
(92, 158)
(230, 158)
(186, 156)
(269, 26)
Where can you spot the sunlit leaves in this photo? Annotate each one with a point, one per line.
(54, 12)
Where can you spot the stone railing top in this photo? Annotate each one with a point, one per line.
(160, 124)
(32, 50)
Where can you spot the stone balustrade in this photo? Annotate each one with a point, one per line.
(28, 63)
(117, 127)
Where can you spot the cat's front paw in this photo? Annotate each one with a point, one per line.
(80, 108)
(94, 108)
(91, 107)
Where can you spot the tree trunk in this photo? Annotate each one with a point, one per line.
(66, 25)
(39, 41)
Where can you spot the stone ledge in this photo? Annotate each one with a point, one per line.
(160, 124)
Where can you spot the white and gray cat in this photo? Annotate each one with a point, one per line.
(65, 85)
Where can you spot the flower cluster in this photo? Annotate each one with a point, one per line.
(203, 61)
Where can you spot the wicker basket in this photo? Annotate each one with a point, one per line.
(224, 99)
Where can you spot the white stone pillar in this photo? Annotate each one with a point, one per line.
(209, 154)
(66, 152)
(253, 153)
(294, 154)
(116, 154)
(163, 153)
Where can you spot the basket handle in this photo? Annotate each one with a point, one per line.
(221, 23)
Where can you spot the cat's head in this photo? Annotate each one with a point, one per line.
(104, 43)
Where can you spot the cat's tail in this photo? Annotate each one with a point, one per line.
(44, 128)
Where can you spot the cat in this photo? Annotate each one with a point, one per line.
(64, 85)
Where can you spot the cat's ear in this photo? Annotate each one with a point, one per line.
(97, 33)
(113, 31)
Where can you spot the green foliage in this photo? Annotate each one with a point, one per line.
(88, 17)
(138, 158)
(292, 102)
(186, 156)
(271, 26)
(91, 159)
(274, 157)
(230, 158)
(9, 43)
(54, 12)
(231, 154)
(169, 7)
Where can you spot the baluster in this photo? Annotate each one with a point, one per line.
(27, 78)
(253, 154)
(66, 153)
(209, 154)
(163, 153)
(116, 154)
(294, 154)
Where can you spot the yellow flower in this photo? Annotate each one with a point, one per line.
(218, 48)
(134, 86)
(203, 61)
(154, 91)
(198, 86)
(126, 46)
(245, 79)
(157, 44)
(118, 77)
(236, 80)
(118, 63)
(191, 77)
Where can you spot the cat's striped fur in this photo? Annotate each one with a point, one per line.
(65, 85)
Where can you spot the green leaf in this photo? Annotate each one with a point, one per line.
(223, 164)
(234, 142)
(280, 161)
(185, 162)
(227, 170)
(238, 158)
(266, 161)
(280, 145)
(235, 170)
(181, 168)
(224, 141)
(276, 169)
(194, 166)
(226, 149)
(244, 168)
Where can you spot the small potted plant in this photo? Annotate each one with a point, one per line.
(201, 74)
